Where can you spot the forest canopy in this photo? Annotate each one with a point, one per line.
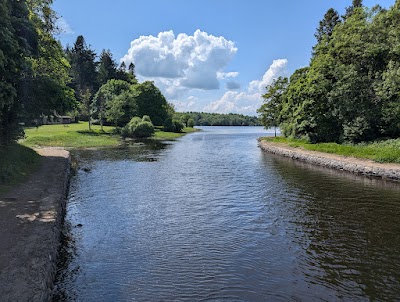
(351, 89)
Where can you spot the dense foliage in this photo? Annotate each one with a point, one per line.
(351, 90)
(33, 68)
(216, 119)
(138, 127)
(38, 79)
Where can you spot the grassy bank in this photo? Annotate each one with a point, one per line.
(387, 151)
(72, 135)
(78, 136)
(162, 135)
(16, 163)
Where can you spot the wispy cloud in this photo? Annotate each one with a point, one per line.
(64, 27)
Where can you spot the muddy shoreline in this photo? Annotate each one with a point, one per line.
(31, 221)
(349, 164)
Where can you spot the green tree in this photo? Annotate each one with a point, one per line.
(327, 25)
(107, 67)
(115, 102)
(18, 41)
(150, 101)
(273, 98)
(83, 73)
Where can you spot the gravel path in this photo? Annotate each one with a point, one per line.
(349, 164)
(30, 224)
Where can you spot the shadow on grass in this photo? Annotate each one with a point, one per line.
(93, 133)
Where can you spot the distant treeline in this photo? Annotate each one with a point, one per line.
(216, 119)
(351, 89)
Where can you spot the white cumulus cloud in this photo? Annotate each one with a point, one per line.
(247, 102)
(274, 70)
(195, 61)
(190, 105)
(227, 75)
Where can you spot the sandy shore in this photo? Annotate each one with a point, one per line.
(31, 217)
(349, 164)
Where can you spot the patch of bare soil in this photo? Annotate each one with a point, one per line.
(31, 216)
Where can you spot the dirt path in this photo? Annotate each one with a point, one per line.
(30, 221)
(349, 164)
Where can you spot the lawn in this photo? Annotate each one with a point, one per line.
(161, 135)
(385, 151)
(71, 135)
(79, 136)
(16, 163)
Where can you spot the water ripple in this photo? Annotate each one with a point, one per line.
(212, 218)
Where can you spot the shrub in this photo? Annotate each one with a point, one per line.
(169, 125)
(143, 129)
(146, 118)
(138, 127)
(178, 126)
(190, 123)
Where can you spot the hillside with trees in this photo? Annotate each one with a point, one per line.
(351, 89)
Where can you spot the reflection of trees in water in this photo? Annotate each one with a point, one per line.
(350, 230)
(140, 151)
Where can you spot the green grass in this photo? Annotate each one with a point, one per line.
(16, 163)
(161, 135)
(385, 151)
(78, 136)
(70, 136)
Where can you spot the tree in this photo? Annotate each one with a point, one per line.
(350, 10)
(85, 107)
(131, 69)
(83, 73)
(327, 25)
(43, 87)
(150, 101)
(18, 41)
(107, 67)
(273, 98)
(115, 101)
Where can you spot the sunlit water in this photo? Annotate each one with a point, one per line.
(212, 217)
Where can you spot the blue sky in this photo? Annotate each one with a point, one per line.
(211, 55)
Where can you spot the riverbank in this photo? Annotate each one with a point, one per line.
(31, 218)
(389, 171)
(78, 136)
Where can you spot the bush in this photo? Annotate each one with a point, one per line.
(190, 123)
(146, 118)
(169, 125)
(138, 127)
(178, 126)
(173, 125)
(143, 129)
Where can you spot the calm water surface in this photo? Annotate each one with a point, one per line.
(211, 217)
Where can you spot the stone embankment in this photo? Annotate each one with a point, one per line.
(31, 217)
(343, 163)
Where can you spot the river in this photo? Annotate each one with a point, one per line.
(211, 217)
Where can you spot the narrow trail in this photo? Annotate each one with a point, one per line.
(31, 215)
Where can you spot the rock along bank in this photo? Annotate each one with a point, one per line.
(343, 163)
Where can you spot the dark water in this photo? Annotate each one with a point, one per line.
(213, 218)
